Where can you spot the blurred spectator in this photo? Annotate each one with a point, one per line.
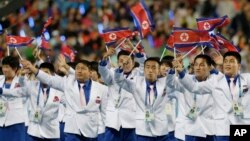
(78, 23)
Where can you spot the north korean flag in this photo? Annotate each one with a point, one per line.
(17, 41)
(112, 35)
(128, 45)
(224, 43)
(215, 44)
(210, 24)
(143, 20)
(47, 23)
(170, 44)
(68, 52)
(44, 44)
(189, 38)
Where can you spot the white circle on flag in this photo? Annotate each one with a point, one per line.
(184, 37)
(112, 36)
(13, 40)
(206, 26)
(145, 25)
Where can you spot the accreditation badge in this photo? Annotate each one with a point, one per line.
(192, 114)
(168, 109)
(3, 108)
(37, 116)
(149, 116)
(237, 109)
(116, 101)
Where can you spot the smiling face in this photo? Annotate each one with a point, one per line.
(231, 66)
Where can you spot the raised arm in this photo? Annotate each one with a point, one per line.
(64, 67)
(140, 58)
(105, 72)
(126, 84)
(188, 82)
(56, 82)
(16, 92)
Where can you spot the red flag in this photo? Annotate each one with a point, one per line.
(44, 44)
(186, 37)
(142, 18)
(48, 22)
(170, 44)
(129, 46)
(210, 24)
(214, 42)
(17, 41)
(113, 35)
(226, 44)
(170, 41)
(68, 52)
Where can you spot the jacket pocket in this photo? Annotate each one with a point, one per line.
(246, 114)
(219, 116)
(140, 117)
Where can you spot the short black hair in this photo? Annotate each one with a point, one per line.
(137, 65)
(213, 63)
(72, 64)
(13, 62)
(126, 53)
(84, 62)
(155, 59)
(206, 57)
(167, 60)
(94, 67)
(235, 54)
(47, 65)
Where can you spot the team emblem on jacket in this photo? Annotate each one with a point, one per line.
(17, 85)
(56, 99)
(98, 100)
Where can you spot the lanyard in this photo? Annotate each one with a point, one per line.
(195, 99)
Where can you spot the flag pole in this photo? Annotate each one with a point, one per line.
(37, 46)
(121, 43)
(175, 74)
(8, 49)
(18, 53)
(189, 52)
(135, 48)
(162, 54)
(202, 49)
